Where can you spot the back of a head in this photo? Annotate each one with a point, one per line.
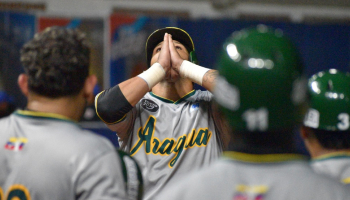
(328, 115)
(261, 87)
(56, 62)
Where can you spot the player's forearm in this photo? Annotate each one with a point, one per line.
(134, 89)
(209, 79)
(198, 74)
(113, 104)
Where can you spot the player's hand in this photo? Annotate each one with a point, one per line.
(164, 56)
(175, 57)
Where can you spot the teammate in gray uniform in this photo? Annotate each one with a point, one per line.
(326, 130)
(261, 93)
(170, 130)
(44, 153)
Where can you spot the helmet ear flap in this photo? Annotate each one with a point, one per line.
(193, 57)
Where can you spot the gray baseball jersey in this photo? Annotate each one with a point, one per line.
(239, 176)
(335, 165)
(47, 156)
(169, 139)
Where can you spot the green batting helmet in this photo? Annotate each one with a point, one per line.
(330, 101)
(261, 86)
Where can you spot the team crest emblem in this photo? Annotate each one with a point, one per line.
(15, 144)
(194, 107)
(245, 192)
(149, 105)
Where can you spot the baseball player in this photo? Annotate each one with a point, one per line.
(44, 154)
(261, 93)
(169, 128)
(326, 130)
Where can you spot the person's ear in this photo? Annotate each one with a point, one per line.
(303, 133)
(89, 86)
(23, 83)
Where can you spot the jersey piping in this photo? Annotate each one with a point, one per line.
(336, 155)
(171, 101)
(262, 158)
(35, 114)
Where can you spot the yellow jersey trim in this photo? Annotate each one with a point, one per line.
(262, 158)
(339, 154)
(346, 180)
(192, 92)
(43, 114)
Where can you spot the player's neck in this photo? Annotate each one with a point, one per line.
(317, 151)
(271, 142)
(173, 90)
(66, 106)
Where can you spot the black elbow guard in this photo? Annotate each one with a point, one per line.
(111, 105)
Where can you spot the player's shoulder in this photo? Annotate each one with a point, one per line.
(303, 178)
(8, 119)
(90, 139)
(5, 120)
(202, 184)
(201, 95)
(74, 137)
(85, 145)
(201, 180)
(329, 188)
(9, 124)
(5, 124)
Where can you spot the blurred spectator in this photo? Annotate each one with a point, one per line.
(7, 105)
(90, 113)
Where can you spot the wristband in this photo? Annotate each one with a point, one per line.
(153, 75)
(192, 71)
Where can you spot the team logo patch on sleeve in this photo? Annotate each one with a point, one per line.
(194, 107)
(149, 105)
(15, 144)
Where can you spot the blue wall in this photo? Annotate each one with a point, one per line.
(321, 46)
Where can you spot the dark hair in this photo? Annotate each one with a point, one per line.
(270, 142)
(56, 62)
(331, 139)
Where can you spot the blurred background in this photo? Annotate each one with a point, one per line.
(118, 30)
